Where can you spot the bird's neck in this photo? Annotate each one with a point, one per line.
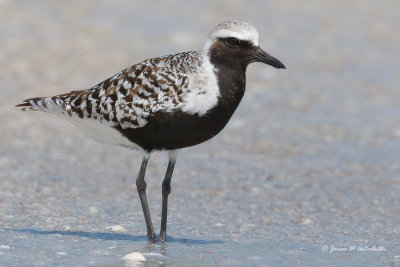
(232, 84)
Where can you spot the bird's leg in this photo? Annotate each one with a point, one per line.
(141, 188)
(166, 189)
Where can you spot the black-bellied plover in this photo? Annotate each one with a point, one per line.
(165, 103)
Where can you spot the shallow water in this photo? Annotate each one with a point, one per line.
(306, 173)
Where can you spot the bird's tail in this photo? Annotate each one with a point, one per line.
(47, 104)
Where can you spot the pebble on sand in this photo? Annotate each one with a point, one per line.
(117, 228)
(134, 257)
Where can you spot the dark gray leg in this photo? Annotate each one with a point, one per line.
(141, 188)
(166, 190)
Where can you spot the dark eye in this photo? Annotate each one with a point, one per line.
(233, 42)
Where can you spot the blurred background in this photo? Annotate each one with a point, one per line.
(310, 158)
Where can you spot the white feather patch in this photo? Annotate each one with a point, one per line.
(203, 90)
(232, 28)
(101, 131)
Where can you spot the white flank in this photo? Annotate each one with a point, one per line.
(100, 131)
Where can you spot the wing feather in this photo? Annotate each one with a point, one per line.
(129, 97)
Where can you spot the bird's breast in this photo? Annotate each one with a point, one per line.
(203, 91)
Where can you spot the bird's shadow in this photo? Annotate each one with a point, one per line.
(114, 236)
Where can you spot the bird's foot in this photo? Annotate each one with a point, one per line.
(152, 237)
(163, 236)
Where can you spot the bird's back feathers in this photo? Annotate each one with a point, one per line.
(128, 98)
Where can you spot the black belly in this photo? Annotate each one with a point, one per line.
(178, 129)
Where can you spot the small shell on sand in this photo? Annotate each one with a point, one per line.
(117, 228)
(134, 257)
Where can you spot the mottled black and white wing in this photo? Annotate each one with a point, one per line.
(126, 99)
(129, 98)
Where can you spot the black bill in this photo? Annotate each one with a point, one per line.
(262, 56)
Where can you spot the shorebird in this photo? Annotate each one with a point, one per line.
(165, 103)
